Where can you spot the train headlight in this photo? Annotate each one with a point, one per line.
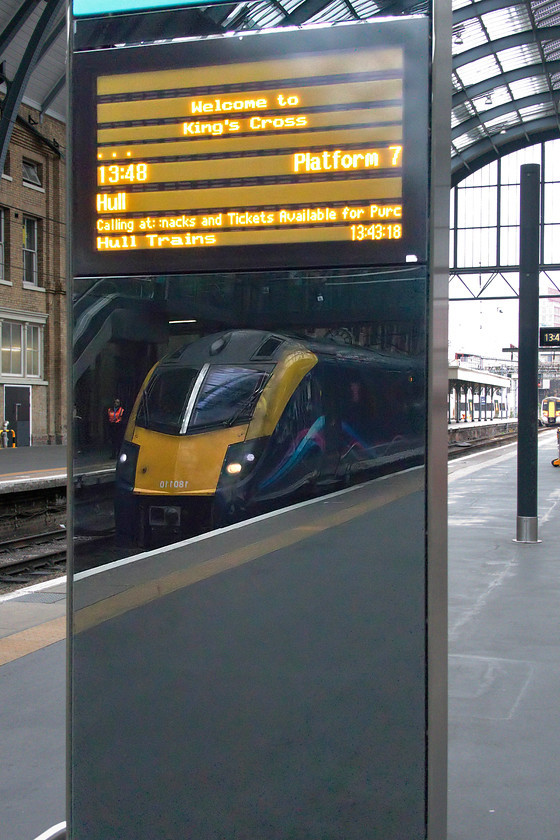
(241, 459)
(126, 465)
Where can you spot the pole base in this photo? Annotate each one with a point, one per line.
(527, 530)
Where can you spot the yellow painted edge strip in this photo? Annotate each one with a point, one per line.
(344, 121)
(34, 638)
(59, 471)
(350, 60)
(145, 593)
(175, 107)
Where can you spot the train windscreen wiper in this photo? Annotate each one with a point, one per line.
(249, 403)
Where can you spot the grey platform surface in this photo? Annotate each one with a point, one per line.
(24, 458)
(504, 644)
(504, 738)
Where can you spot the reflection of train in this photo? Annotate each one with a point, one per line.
(550, 411)
(241, 422)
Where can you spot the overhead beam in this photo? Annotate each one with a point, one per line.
(53, 93)
(479, 154)
(52, 36)
(481, 7)
(16, 90)
(305, 11)
(503, 109)
(503, 79)
(16, 23)
(518, 39)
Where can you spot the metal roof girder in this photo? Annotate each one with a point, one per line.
(484, 151)
(504, 108)
(488, 85)
(16, 89)
(304, 12)
(53, 93)
(476, 10)
(518, 39)
(52, 36)
(17, 21)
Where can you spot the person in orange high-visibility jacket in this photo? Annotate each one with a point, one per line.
(115, 417)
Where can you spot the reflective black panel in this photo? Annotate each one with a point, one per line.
(249, 506)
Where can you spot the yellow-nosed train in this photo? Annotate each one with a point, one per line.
(242, 422)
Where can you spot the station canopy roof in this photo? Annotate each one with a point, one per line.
(506, 59)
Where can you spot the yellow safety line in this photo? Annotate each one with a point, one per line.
(28, 641)
(58, 470)
(33, 639)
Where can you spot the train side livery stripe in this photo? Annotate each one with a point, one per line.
(287, 375)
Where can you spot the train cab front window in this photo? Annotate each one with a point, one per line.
(227, 396)
(163, 402)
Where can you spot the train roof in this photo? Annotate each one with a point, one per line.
(264, 346)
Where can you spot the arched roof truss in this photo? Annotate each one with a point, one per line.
(506, 79)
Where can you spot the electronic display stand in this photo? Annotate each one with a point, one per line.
(257, 622)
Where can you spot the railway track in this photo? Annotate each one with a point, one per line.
(30, 558)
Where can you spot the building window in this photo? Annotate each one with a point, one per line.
(30, 250)
(12, 356)
(33, 350)
(31, 173)
(22, 349)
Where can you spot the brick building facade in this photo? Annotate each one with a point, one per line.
(33, 281)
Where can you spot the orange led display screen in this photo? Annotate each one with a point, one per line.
(292, 148)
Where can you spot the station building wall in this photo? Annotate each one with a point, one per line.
(33, 280)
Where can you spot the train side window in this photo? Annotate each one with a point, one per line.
(302, 411)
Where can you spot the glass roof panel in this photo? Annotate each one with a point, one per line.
(290, 5)
(506, 21)
(456, 82)
(461, 113)
(525, 87)
(265, 14)
(547, 13)
(551, 49)
(535, 111)
(460, 4)
(468, 35)
(463, 142)
(502, 123)
(478, 71)
(333, 13)
(490, 100)
(366, 8)
(521, 56)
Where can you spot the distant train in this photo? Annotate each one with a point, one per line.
(245, 421)
(550, 411)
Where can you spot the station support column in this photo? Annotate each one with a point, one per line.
(527, 445)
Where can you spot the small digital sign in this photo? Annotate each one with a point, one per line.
(549, 336)
(291, 148)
